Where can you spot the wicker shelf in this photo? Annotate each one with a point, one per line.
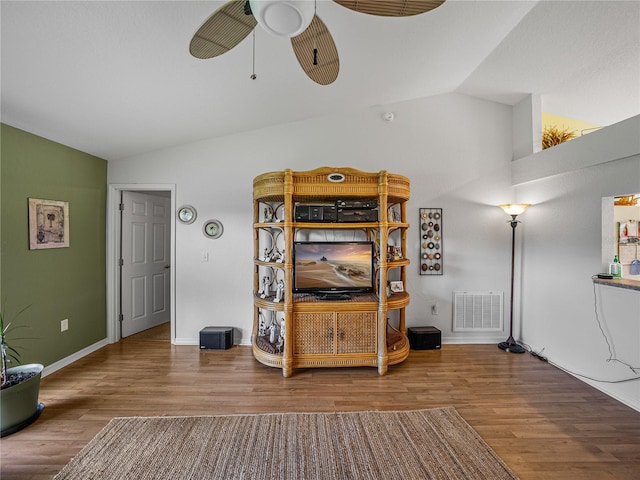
(334, 333)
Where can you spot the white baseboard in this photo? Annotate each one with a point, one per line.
(246, 342)
(72, 358)
(192, 341)
(631, 403)
(469, 340)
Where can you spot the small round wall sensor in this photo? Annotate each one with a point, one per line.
(389, 117)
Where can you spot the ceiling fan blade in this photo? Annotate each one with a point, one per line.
(223, 30)
(391, 8)
(316, 53)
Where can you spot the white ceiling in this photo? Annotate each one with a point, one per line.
(115, 78)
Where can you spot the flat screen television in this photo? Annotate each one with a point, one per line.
(333, 268)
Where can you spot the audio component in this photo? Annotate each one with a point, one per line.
(358, 204)
(315, 213)
(424, 338)
(216, 338)
(357, 215)
(348, 211)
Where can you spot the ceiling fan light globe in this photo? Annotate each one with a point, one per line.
(284, 18)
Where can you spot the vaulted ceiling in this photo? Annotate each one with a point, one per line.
(115, 78)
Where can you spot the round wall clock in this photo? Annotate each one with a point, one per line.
(187, 214)
(212, 229)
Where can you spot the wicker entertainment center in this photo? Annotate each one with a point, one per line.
(297, 330)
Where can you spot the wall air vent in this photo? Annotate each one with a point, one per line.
(478, 312)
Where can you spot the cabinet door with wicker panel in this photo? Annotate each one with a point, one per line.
(356, 332)
(313, 333)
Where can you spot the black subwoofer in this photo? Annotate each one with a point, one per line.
(216, 338)
(424, 338)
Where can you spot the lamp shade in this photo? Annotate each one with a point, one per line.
(284, 18)
(514, 208)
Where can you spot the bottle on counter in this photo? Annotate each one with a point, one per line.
(615, 268)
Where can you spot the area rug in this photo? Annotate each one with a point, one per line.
(419, 444)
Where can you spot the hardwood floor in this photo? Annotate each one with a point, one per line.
(543, 423)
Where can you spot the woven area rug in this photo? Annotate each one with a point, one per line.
(421, 444)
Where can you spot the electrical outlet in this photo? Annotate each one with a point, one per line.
(64, 325)
(434, 309)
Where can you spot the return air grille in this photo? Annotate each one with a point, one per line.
(477, 312)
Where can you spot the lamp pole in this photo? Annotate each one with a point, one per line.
(510, 345)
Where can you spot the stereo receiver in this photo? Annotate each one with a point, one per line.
(355, 204)
(315, 213)
(357, 215)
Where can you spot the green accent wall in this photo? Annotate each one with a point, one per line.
(58, 283)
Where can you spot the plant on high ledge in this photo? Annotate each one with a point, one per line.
(553, 135)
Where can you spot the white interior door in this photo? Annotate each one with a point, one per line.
(145, 280)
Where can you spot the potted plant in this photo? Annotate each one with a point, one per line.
(553, 135)
(20, 384)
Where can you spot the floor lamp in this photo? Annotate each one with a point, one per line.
(513, 209)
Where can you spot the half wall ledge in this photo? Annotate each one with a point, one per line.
(618, 282)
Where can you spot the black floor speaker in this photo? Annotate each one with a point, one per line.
(424, 338)
(216, 338)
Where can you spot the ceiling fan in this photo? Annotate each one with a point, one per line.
(311, 41)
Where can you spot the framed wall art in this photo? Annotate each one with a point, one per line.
(48, 224)
(431, 243)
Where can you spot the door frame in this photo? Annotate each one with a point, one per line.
(113, 253)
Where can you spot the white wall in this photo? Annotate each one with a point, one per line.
(562, 250)
(455, 149)
(527, 127)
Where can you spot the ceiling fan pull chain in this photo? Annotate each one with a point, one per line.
(315, 34)
(253, 75)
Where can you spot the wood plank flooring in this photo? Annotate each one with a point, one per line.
(544, 423)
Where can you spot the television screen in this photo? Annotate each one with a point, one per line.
(333, 267)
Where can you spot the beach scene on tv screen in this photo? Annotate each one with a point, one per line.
(330, 265)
